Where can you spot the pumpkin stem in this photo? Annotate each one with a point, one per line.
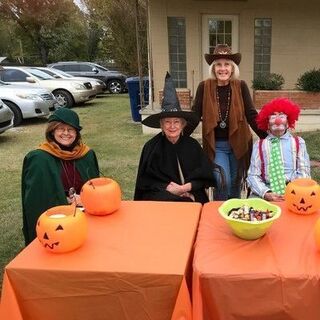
(75, 207)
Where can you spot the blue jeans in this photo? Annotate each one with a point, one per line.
(229, 164)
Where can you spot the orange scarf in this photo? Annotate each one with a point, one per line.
(77, 152)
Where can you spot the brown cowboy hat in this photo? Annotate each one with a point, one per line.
(223, 51)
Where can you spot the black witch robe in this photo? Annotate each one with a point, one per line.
(159, 166)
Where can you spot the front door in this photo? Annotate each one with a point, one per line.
(218, 29)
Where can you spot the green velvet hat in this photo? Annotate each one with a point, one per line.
(66, 116)
(170, 107)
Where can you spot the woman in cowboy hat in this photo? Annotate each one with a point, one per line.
(54, 173)
(225, 106)
(172, 166)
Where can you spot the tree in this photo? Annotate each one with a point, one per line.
(9, 46)
(43, 31)
(44, 22)
(117, 20)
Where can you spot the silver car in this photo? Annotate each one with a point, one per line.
(27, 102)
(115, 81)
(97, 84)
(6, 117)
(67, 92)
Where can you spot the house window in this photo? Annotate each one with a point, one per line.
(177, 50)
(218, 29)
(262, 46)
(220, 32)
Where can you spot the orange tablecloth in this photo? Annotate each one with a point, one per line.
(273, 278)
(132, 266)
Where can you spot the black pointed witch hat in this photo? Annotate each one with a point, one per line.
(170, 107)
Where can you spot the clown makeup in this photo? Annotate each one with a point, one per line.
(278, 124)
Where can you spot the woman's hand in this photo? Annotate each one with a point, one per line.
(175, 188)
(75, 199)
(188, 195)
(180, 190)
(271, 196)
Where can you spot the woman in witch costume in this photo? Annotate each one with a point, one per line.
(173, 167)
(225, 106)
(54, 173)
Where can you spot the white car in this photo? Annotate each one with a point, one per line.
(67, 92)
(6, 117)
(27, 102)
(97, 84)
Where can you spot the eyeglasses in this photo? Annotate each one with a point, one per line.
(63, 129)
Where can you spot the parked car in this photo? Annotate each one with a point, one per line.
(27, 102)
(115, 81)
(67, 92)
(98, 85)
(6, 117)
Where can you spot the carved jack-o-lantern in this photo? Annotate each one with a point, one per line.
(302, 196)
(62, 229)
(101, 196)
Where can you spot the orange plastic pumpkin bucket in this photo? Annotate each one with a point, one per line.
(101, 196)
(62, 229)
(302, 196)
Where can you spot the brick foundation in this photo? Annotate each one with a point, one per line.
(306, 100)
(184, 97)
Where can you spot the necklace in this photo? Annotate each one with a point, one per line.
(71, 186)
(223, 123)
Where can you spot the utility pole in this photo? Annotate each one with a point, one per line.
(150, 60)
(21, 58)
(141, 89)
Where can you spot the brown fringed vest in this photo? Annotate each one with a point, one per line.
(240, 137)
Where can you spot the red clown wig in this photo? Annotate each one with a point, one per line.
(283, 105)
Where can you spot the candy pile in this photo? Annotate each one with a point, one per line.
(247, 213)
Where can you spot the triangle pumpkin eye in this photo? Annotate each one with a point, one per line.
(313, 193)
(293, 192)
(59, 227)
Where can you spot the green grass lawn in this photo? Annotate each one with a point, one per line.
(108, 129)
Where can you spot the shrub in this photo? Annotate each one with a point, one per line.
(309, 81)
(270, 81)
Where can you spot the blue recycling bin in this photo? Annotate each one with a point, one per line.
(134, 95)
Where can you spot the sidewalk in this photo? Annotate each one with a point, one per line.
(309, 120)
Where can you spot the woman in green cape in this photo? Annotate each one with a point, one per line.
(54, 173)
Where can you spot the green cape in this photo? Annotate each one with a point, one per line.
(42, 186)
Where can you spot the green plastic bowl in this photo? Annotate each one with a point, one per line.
(249, 230)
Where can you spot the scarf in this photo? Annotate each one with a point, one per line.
(53, 148)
